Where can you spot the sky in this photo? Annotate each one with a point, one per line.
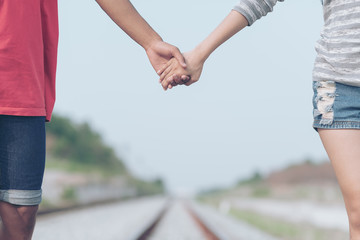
(250, 111)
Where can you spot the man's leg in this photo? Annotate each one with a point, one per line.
(22, 163)
(343, 148)
(17, 221)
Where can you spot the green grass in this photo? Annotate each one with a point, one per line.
(69, 194)
(267, 224)
(286, 230)
(261, 192)
(46, 204)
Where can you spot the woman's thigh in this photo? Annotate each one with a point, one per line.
(343, 148)
(337, 119)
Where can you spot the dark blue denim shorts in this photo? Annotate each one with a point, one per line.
(336, 105)
(22, 159)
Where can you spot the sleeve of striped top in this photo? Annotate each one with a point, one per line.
(255, 9)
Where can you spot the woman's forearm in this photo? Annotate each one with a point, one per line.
(232, 24)
(123, 13)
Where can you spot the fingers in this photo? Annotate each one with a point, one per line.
(177, 54)
(173, 74)
(167, 83)
(175, 80)
(191, 81)
(184, 79)
(164, 67)
(165, 74)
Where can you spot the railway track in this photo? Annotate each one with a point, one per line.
(163, 226)
(150, 229)
(154, 218)
(210, 235)
(182, 220)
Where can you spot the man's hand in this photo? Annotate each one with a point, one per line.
(173, 74)
(159, 53)
(123, 13)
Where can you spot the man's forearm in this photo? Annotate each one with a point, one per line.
(123, 13)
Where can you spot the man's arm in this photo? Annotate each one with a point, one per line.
(245, 13)
(123, 13)
(171, 72)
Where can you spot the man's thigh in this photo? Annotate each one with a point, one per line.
(22, 159)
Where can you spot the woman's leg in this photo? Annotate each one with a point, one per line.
(343, 149)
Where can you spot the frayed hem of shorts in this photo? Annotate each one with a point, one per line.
(21, 197)
(336, 124)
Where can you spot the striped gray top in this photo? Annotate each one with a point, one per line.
(338, 48)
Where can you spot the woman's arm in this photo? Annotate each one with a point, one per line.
(195, 59)
(246, 12)
(123, 13)
(232, 24)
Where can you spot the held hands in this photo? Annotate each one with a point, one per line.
(174, 73)
(159, 53)
(172, 67)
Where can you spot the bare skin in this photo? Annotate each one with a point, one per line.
(18, 222)
(343, 149)
(342, 145)
(123, 13)
(173, 73)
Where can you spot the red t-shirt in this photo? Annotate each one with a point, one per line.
(28, 53)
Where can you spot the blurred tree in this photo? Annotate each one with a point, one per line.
(79, 143)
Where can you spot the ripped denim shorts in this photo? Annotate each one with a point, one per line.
(336, 105)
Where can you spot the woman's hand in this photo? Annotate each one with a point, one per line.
(159, 53)
(173, 74)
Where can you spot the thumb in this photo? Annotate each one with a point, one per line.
(176, 53)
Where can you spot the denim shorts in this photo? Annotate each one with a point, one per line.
(22, 159)
(336, 105)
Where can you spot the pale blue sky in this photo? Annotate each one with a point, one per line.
(251, 110)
